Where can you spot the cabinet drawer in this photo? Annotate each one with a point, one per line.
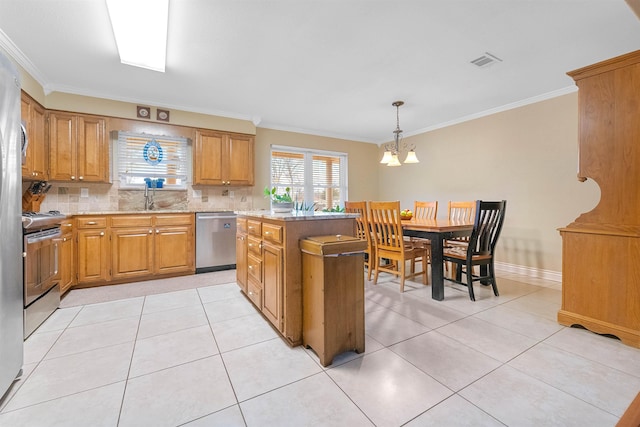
(254, 246)
(254, 228)
(131, 221)
(67, 226)
(254, 292)
(272, 233)
(254, 268)
(91, 222)
(241, 225)
(175, 219)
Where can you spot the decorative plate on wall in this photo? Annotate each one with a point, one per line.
(143, 112)
(163, 115)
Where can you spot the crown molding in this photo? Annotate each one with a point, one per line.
(16, 54)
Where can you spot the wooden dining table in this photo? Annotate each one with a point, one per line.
(437, 231)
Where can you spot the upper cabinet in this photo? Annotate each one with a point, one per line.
(33, 115)
(223, 158)
(79, 149)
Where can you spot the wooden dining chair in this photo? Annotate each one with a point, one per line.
(462, 212)
(424, 210)
(480, 249)
(389, 242)
(363, 230)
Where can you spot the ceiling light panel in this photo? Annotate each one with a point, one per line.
(140, 30)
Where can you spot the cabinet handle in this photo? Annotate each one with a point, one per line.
(73, 177)
(90, 223)
(250, 293)
(150, 231)
(80, 178)
(157, 231)
(102, 233)
(68, 225)
(266, 233)
(251, 227)
(64, 239)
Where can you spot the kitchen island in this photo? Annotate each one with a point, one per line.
(269, 261)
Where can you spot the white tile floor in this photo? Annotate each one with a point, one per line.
(204, 357)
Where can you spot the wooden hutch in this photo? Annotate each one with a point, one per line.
(601, 248)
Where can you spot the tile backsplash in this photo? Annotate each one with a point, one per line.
(72, 198)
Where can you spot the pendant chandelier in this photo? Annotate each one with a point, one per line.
(392, 149)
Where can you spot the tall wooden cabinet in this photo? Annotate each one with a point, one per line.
(221, 158)
(36, 162)
(79, 149)
(601, 248)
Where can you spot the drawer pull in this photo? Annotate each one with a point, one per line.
(266, 233)
(91, 223)
(102, 233)
(251, 267)
(250, 293)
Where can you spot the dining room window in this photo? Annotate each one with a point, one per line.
(314, 176)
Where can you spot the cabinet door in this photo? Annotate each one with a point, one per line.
(38, 143)
(93, 152)
(207, 159)
(131, 252)
(239, 164)
(93, 256)
(62, 146)
(25, 114)
(241, 261)
(272, 284)
(65, 264)
(173, 248)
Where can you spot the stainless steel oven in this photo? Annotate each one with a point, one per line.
(40, 263)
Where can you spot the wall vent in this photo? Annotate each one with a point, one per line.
(486, 60)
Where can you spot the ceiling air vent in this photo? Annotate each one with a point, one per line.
(486, 60)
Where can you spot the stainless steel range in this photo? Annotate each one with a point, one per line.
(40, 261)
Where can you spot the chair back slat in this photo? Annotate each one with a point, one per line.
(362, 223)
(385, 221)
(462, 211)
(425, 210)
(487, 226)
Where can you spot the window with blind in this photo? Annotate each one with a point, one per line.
(313, 176)
(144, 156)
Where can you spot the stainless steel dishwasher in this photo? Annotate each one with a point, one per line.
(215, 241)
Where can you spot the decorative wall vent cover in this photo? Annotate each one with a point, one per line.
(486, 60)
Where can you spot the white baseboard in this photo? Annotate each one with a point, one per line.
(555, 276)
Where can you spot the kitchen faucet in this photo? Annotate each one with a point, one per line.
(148, 197)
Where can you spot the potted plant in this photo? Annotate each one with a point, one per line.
(279, 202)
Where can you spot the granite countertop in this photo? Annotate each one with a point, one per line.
(297, 216)
(149, 212)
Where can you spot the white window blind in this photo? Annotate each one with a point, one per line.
(313, 176)
(141, 156)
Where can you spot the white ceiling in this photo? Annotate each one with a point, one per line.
(327, 67)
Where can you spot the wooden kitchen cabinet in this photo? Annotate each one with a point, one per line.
(274, 264)
(241, 253)
(601, 248)
(92, 246)
(36, 162)
(147, 245)
(132, 242)
(223, 158)
(138, 247)
(272, 284)
(66, 265)
(173, 245)
(78, 148)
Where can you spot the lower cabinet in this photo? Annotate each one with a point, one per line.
(66, 264)
(272, 280)
(92, 247)
(272, 284)
(137, 247)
